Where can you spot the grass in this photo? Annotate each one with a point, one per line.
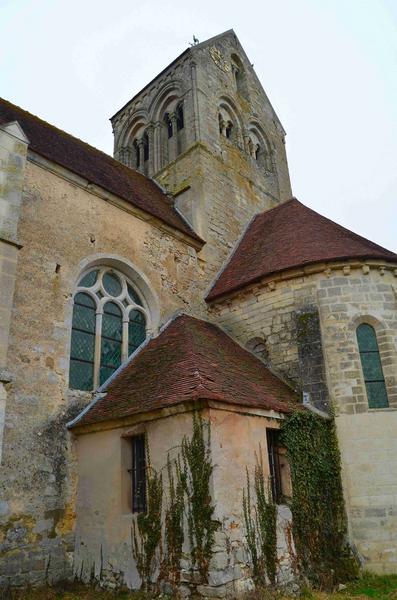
(378, 587)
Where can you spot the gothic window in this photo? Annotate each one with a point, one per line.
(372, 367)
(109, 323)
(180, 122)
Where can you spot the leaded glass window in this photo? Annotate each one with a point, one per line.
(110, 320)
(372, 367)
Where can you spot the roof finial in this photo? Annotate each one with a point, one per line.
(195, 41)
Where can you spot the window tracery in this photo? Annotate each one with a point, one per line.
(109, 323)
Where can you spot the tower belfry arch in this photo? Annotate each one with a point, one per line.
(206, 131)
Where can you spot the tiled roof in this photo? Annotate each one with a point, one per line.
(289, 236)
(95, 166)
(190, 360)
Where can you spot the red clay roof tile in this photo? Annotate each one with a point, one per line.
(95, 166)
(288, 236)
(190, 360)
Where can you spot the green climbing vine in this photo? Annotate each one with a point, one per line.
(318, 513)
(260, 526)
(189, 499)
(146, 531)
(195, 474)
(174, 520)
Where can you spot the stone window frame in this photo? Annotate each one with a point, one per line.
(259, 149)
(126, 455)
(239, 76)
(140, 283)
(388, 359)
(229, 119)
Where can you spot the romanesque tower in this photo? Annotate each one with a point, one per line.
(206, 131)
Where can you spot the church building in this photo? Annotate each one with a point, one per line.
(178, 289)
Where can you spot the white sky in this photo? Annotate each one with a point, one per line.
(328, 67)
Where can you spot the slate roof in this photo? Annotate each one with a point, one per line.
(95, 166)
(289, 236)
(190, 360)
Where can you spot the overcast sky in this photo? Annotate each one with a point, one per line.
(329, 68)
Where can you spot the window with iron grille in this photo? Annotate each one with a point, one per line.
(138, 474)
(274, 464)
(372, 367)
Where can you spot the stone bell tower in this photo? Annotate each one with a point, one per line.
(206, 131)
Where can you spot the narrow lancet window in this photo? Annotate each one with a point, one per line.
(138, 479)
(372, 367)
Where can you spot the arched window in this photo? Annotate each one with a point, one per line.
(109, 323)
(372, 367)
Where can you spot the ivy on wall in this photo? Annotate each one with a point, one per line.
(189, 502)
(146, 531)
(196, 472)
(260, 520)
(318, 515)
(174, 523)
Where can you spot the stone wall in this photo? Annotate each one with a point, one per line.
(343, 296)
(13, 150)
(62, 228)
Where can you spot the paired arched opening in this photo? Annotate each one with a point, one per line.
(258, 149)
(229, 124)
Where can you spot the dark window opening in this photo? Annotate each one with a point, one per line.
(221, 123)
(168, 122)
(136, 150)
(180, 121)
(279, 471)
(138, 474)
(372, 367)
(274, 464)
(229, 130)
(145, 147)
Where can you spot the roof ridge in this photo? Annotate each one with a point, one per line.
(116, 162)
(297, 236)
(62, 131)
(347, 230)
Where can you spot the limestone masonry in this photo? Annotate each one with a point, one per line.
(178, 276)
